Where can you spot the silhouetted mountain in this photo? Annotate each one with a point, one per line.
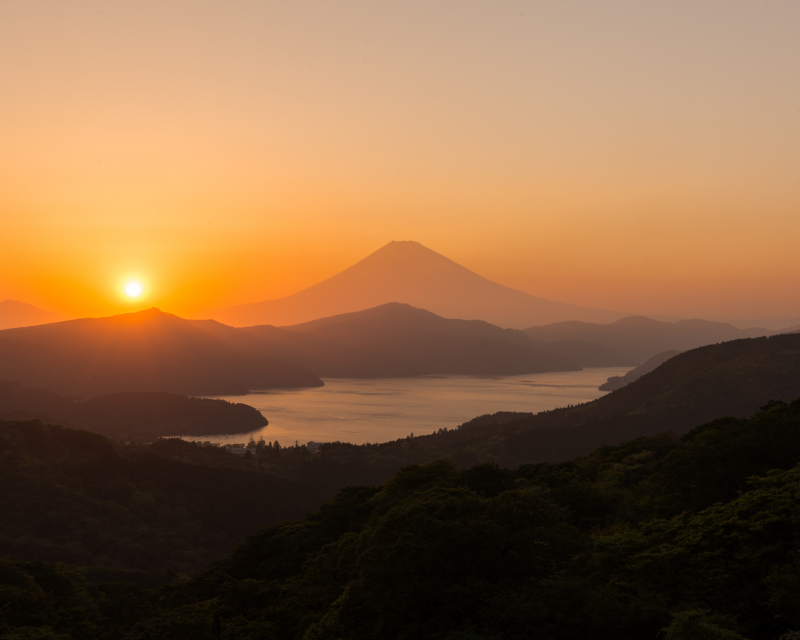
(641, 338)
(587, 354)
(396, 340)
(410, 273)
(617, 382)
(729, 379)
(130, 416)
(145, 351)
(20, 314)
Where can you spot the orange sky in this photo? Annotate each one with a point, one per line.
(642, 157)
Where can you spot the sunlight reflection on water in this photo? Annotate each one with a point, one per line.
(359, 410)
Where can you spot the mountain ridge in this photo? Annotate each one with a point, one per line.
(641, 338)
(144, 351)
(398, 340)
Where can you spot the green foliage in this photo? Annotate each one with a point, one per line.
(696, 624)
(656, 533)
(44, 601)
(121, 513)
(691, 538)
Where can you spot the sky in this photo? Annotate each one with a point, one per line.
(634, 156)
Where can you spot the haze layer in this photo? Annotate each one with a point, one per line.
(631, 156)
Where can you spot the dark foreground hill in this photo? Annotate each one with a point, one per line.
(145, 351)
(659, 537)
(641, 338)
(398, 340)
(729, 379)
(121, 512)
(413, 274)
(139, 416)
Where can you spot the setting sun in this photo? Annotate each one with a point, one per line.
(133, 289)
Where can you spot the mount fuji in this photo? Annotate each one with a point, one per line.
(410, 273)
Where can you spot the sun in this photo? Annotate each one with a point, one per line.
(133, 289)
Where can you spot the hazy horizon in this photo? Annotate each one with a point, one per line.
(625, 156)
(435, 299)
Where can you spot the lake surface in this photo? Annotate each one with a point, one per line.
(359, 410)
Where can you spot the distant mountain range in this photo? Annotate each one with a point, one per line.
(145, 351)
(411, 273)
(19, 314)
(152, 351)
(398, 340)
(641, 338)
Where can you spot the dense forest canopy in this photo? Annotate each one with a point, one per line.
(695, 536)
(121, 512)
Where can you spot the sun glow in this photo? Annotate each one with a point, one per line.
(133, 289)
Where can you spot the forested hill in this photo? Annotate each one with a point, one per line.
(728, 379)
(123, 513)
(660, 537)
(130, 416)
(617, 382)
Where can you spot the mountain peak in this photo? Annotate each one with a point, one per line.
(408, 272)
(401, 251)
(404, 243)
(404, 246)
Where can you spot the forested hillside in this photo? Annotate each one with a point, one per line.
(617, 382)
(139, 416)
(681, 538)
(120, 512)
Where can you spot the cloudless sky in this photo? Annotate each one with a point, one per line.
(628, 155)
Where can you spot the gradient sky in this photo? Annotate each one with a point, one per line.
(628, 155)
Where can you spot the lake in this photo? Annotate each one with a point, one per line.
(369, 410)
